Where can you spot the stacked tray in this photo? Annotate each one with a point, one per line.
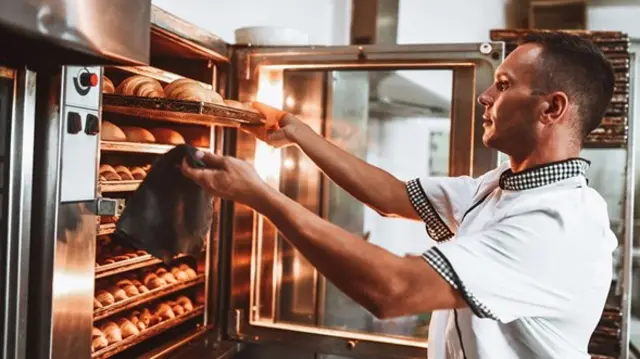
(613, 131)
(606, 338)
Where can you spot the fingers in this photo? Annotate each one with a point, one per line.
(272, 115)
(212, 160)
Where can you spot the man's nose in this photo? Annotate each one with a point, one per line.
(485, 99)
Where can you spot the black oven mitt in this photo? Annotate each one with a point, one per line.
(168, 214)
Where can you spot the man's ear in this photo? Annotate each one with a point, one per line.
(554, 106)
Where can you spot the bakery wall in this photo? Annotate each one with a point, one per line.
(325, 21)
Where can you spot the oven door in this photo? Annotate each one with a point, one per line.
(409, 109)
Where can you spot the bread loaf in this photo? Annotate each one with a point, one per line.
(140, 86)
(124, 173)
(111, 132)
(107, 85)
(138, 134)
(138, 173)
(167, 136)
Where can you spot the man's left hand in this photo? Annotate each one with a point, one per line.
(227, 177)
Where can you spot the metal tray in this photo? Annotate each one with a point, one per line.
(119, 186)
(153, 294)
(179, 111)
(131, 341)
(129, 265)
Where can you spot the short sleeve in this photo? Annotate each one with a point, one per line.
(518, 267)
(441, 202)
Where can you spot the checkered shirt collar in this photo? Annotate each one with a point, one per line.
(543, 175)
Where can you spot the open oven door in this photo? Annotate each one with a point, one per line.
(410, 109)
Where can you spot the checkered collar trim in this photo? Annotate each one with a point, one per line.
(543, 175)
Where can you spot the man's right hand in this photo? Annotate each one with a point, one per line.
(279, 128)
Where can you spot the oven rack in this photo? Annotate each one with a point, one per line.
(106, 229)
(137, 147)
(129, 265)
(155, 330)
(149, 296)
(179, 111)
(119, 186)
(155, 73)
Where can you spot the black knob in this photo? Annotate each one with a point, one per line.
(74, 123)
(87, 79)
(92, 126)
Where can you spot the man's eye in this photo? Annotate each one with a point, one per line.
(501, 85)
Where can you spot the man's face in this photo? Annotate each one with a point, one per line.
(510, 111)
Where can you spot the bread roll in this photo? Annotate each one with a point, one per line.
(185, 302)
(179, 275)
(105, 298)
(111, 132)
(138, 173)
(127, 328)
(109, 173)
(138, 134)
(112, 332)
(107, 85)
(140, 86)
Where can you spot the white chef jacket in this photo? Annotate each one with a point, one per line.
(531, 254)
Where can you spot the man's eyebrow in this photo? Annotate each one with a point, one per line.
(503, 74)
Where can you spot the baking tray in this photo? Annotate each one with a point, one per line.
(106, 229)
(179, 111)
(157, 329)
(119, 186)
(153, 294)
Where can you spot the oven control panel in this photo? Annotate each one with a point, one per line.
(82, 88)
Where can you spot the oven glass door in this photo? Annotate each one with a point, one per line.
(410, 110)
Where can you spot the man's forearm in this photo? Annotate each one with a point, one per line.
(369, 184)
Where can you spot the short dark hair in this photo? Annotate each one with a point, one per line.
(576, 66)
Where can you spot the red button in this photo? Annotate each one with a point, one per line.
(94, 80)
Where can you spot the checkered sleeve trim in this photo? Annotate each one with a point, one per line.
(436, 228)
(441, 264)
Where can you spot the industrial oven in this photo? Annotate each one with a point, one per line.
(65, 175)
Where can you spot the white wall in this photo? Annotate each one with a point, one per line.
(325, 21)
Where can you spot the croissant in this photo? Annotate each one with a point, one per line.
(127, 328)
(177, 309)
(124, 173)
(190, 90)
(148, 319)
(109, 173)
(141, 287)
(118, 293)
(168, 277)
(190, 272)
(105, 298)
(99, 342)
(140, 86)
(107, 85)
(111, 332)
(165, 312)
(96, 304)
(185, 302)
(130, 290)
(180, 275)
(152, 281)
(134, 317)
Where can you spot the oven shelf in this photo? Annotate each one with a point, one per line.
(119, 186)
(157, 329)
(136, 147)
(129, 265)
(189, 112)
(145, 297)
(106, 229)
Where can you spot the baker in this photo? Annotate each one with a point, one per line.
(524, 260)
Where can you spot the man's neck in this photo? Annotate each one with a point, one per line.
(542, 156)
